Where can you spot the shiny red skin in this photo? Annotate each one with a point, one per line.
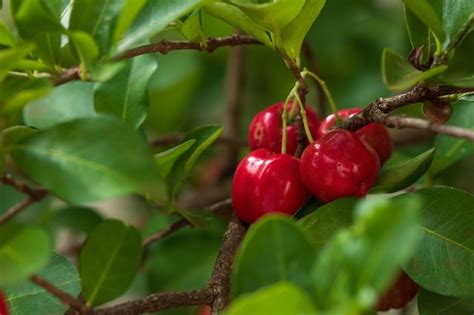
(3, 304)
(399, 294)
(337, 165)
(376, 135)
(266, 182)
(265, 130)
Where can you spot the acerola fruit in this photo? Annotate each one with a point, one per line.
(437, 111)
(266, 182)
(337, 165)
(399, 294)
(3, 304)
(265, 131)
(376, 135)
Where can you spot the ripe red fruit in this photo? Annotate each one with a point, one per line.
(3, 304)
(399, 294)
(376, 135)
(266, 182)
(265, 130)
(337, 165)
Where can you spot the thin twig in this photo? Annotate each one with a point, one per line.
(35, 193)
(16, 209)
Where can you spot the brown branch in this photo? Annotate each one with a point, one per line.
(176, 139)
(64, 297)
(16, 209)
(68, 75)
(35, 193)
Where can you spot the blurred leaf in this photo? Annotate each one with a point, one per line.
(399, 74)
(109, 264)
(96, 19)
(235, 17)
(358, 263)
(449, 149)
(166, 159)
(294, 34)
(79, 219)
(10, 57)
(192, 27)
(9, 197)
(67, 102)
(404, 174)
(418, 32)
(447, 217)
(16, 92)
(455, 15)
(430, 303)
(125, 95)
(15, 134)
(27, 298)
(274, 250)
(85, 48)
(280, 299)
(75, 161)
(127, 15)
(204, 136)
(429, 11)
(6, 38)
(23, 251)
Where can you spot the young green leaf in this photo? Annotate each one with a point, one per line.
(76, 218)
(418, 32)
(28, 298)
(282, 298)
(447, 216)
(127, 15)
(404, 174)
(430, 303)
(429, 12)
(23, 251)
(125, 95)
(16, 92)
(166, 159)
(274, 250)
(84, 48)
(192, 27)
(75, 161)
(399, 74)
(10, 57)
(109, 261)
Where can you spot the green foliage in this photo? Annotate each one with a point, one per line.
(78, 219)
(430, 303)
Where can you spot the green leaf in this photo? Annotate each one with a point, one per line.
(204, 136)
(15, 92)
(274, 250)
(429, 11)
(358, 263)
(67, 102)
(235, 17)
(430, 303)
(450, 150)
(441, 262)
(125, 95)
(96, 19)
(280, 299)
(75, 160)
(294, 34)
(6, 38)
(79, 219)
(404, 174)
(418, 32)
(129, 12)
(109, 261)
(273, 16)
(166, 159)
(85, 48)
(455, 15)
(323, 223)
(154, 17)
(28, 298)
(10, 57)
(399, 74)
(192, 27)
(23, 251)
(15, 134)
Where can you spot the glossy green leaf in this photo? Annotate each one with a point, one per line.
(441, 262)
(23, 251)
(235, 17)
(399, 74)
(358, 263)
(418, 32)
(67, 102)
(280, 299)
(16, 92)
(96, 19)
(10, 57)
(125, 95)
(28, 298)
(274, 250)
(450, 150)
(294, 34)
(127, 15)
(455, 15)
(323, 223)
(404, 174)
(85, 48)
(204, 136)
(429, 11)
(166, 159)
(74, 160)
(79, 219)
(109, 261)
(430, 303)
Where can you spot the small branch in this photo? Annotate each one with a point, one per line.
(176, 139)
(68, 75)
(220, 280)
(159, 301)
(64, 297)
(36, 193)
(16, 209)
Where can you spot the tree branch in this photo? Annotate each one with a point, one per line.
(35, 193)
(16, 209)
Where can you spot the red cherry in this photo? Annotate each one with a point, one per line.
(399, 294)
(337, 165)
(204, 310)
(376, 135)
(3, 304)
(265, 130)
(266, 182)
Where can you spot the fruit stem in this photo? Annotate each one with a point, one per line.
(284, 118)
(304, 118)
(326, 91)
